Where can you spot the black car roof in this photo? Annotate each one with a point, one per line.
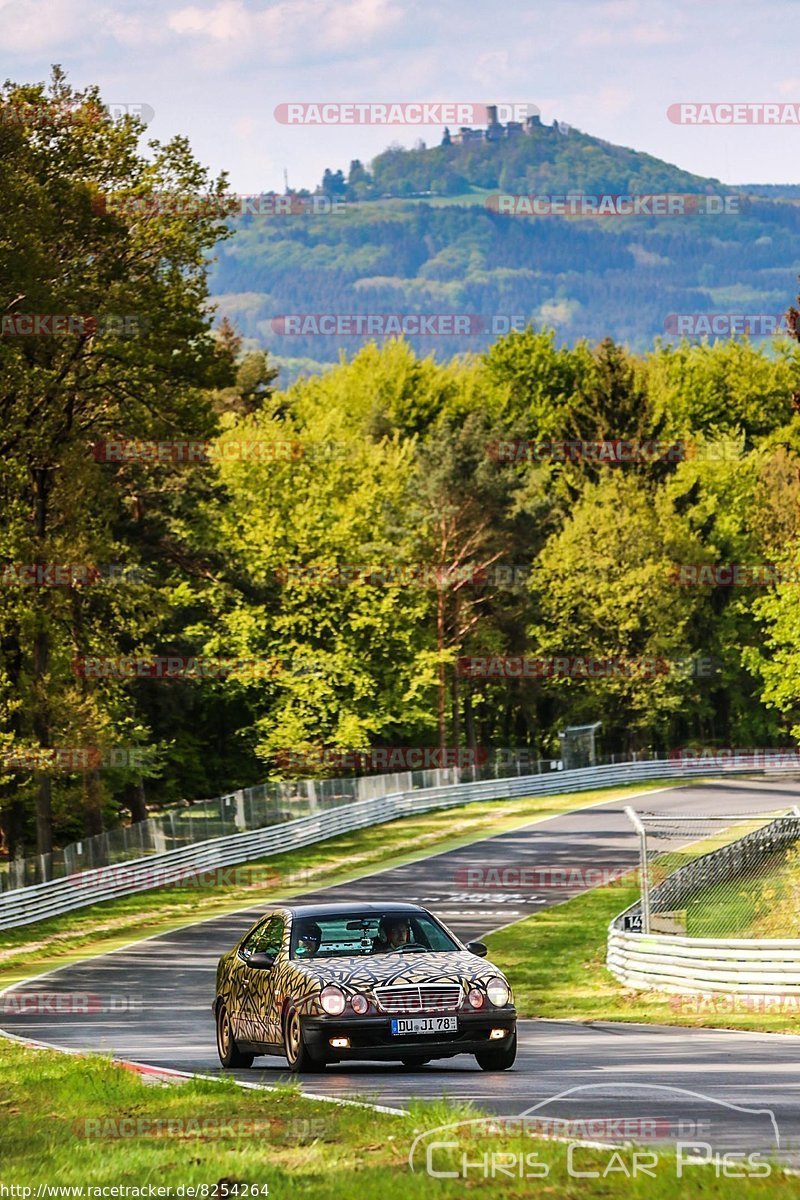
(332, 910)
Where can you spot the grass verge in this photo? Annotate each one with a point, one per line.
(84, 1122)
(556, 963)
(33, 949)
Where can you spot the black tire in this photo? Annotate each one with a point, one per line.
(413, 1063)
(229, 1053)
(500, 1058)
(298, 1055)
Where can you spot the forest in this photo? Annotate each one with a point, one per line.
(209, 574)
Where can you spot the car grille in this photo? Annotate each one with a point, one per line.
(418, 997)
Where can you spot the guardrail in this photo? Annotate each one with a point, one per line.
(40, 901)
(709, 966)
(705, 966)
(269, 803)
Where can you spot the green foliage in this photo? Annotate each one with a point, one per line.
(358, 532)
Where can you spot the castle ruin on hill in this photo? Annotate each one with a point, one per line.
(496, 131)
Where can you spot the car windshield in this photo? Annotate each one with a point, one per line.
(366, 934)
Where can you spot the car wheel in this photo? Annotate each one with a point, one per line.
(411, 1063)
(229, 1053)
(498, 1059)
(298, 1056)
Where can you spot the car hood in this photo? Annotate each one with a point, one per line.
(385, 969)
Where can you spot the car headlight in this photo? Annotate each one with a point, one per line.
(359, 1004)
(332, 1000)
(476, 997)
(498, 991)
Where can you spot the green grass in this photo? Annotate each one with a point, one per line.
(727, 910)
(765, 905)
(36, 948)
(730, 909)
(61, 1118)
(556, 963)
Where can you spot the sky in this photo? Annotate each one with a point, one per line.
(215, 70)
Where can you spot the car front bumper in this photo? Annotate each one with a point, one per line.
(372, 1037)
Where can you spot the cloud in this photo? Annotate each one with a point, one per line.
(558, 312)
(653, 33)
(41, 25)
(490, 66)
(611, 101)
(287, 31)
(134, 29)
(224, 22)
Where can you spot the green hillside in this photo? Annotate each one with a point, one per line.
(416, 233)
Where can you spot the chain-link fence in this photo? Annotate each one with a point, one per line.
(718, 876)
(255, 808)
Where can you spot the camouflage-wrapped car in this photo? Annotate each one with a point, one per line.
(326, 982)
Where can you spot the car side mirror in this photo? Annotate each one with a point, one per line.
(478, 949)
(260, 960)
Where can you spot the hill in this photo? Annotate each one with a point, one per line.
(419, 232)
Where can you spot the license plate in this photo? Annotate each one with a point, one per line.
(401, 1025)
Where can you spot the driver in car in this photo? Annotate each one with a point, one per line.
(393, 934)
(308, 939)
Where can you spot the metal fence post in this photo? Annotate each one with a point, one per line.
(644, 870)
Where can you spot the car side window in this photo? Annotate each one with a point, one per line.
(266, 938)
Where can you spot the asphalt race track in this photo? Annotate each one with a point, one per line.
(151, 1002)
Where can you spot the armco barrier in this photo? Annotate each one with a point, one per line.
(709, 966)
(36, 903)
(705, 966)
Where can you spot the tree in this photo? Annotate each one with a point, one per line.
(602, 589)
(463, 512)
(101, 246)
(333, 184)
